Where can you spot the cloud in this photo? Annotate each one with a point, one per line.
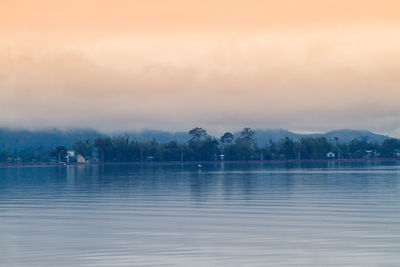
(316, 81)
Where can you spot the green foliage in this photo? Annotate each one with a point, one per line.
(247, 135)
(3, 156)
(287, 148)
(171, 151)
(314, 148)
(203, 147)
(243, 148)
(105, 148)
(227, 139)
(389, 146)
(60, 153)
(197, 134)
(84, 148)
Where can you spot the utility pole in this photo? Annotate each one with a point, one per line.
(337, 146)
(182, 154)
(141, 153)
(102, 162)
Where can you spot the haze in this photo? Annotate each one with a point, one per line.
(222, 65)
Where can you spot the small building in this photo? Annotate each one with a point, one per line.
(70, 156)
(369, 154)
(397, 153)
(330, 155)
(80, 159)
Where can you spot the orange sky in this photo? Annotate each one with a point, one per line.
(113, 65)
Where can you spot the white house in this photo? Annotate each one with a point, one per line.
(330, 155)
(70, 155)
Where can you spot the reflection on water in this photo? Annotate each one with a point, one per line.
(229, 214)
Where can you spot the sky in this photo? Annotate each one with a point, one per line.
(112, 65)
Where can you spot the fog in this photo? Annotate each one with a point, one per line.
(317, 79)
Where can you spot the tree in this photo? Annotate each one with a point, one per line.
(314, 148)
(205, 149)
(121, 148)
(84, 148)
(247, 135)
(389, 146)
(171, 151)
(151, 150)
(227, 139)
(104, 147)
(337, 146)
(287, 148)
(272, 150)
(3, 156)
(242, 148)
(60, 152)
(197, 134)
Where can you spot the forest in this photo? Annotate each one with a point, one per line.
(203, 147)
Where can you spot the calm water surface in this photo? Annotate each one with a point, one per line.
(221, 215)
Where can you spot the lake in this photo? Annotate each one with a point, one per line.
(260, 214)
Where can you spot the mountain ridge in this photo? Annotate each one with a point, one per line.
(14, 139)
(343, 135)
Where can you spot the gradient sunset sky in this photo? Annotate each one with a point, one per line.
(114, 65)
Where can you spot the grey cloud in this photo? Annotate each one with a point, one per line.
(315, 87)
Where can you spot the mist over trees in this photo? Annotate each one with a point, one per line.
(203, 147)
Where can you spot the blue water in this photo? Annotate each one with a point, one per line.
(219, 215)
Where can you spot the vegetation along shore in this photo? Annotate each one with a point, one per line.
(202, 147)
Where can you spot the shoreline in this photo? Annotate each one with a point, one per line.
(43, 164)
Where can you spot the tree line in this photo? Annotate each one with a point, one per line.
(204, 147)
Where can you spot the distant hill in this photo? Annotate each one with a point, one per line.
(263, 136)
(160, 136)
(345, 135)
(12, 139)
